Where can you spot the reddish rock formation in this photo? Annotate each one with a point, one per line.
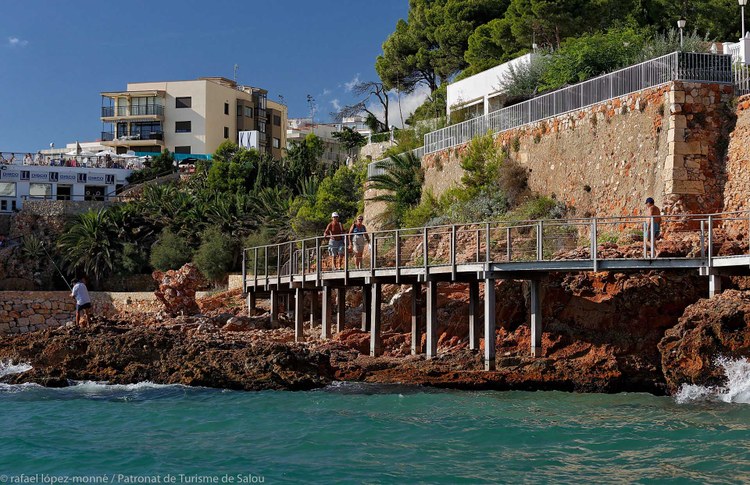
(709, 329)
(177, 289)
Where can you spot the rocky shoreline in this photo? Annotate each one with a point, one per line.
(605, 332)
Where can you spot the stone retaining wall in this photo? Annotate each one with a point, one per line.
(737, 189)
(24, 311)
(604, 160)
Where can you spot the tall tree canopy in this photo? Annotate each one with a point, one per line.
(429, 46)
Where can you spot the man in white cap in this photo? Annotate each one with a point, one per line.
(335, 232)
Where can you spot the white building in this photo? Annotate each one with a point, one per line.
(34, 182)
(481, 93)
(333, 151)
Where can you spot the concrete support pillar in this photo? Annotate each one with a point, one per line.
(416, 318)
(327, 313)
(366, 308)
(341, 313)
(432, 319)
(536, 319)
(314, 309)
(473, 315)
(375, 300)
(714, 285)
(274, 306)
(251, 303)
(489, 324)
(299, 312)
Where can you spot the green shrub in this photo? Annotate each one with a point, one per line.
(170, 251)
(481, 163)
(214, 256)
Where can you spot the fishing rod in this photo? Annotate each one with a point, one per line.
(58, 269)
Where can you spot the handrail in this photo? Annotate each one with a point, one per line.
(497, 242)
(676, 66)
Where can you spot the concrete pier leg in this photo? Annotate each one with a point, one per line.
(274, 306)
(416, 318)
(299, 312)
(366, 308)
(714, 285)
(327, 313)
(314, 309)
(432, 320)
(251, 303)
(489, 324)
(536, 319)
(473, 315)
(375, 300)
(341, 313)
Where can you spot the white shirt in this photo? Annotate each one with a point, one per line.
(81, 294)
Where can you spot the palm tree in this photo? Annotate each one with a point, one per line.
(401, 185)
(91, 244)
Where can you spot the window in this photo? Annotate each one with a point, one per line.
(249, 111)
(182, 127)
(239, 110)
(226, 108)
(146, 106)
(226, 132)
(262, 127)
(183, 102)
(7, 189)
(276, 143)
(277, 120)
(40, 191)
(182, 149)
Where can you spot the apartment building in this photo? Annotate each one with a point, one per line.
(191, 117)
(333, 150)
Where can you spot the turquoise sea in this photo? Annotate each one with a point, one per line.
(147, 433)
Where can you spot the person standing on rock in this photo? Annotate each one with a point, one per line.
(335, 232)
(359, 237)
(655, 219)
(83, 302)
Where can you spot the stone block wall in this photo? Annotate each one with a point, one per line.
(737, 189)
(604, 160)
(25, 311)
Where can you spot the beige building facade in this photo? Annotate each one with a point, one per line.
(191, 117)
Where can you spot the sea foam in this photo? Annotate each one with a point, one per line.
(736, 390)
(8, 368)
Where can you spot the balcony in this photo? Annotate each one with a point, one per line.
(126, 112)
(134, 139)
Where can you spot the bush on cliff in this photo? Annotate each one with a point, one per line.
(214, 257)
(400, 186)
(171, 251)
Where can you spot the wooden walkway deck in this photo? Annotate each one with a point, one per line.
(480, 254)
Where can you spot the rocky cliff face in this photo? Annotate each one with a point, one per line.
(708, 330)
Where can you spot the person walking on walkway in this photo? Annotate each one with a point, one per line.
(655, 219)
(335, 232)
(358, 238)
(83, 302)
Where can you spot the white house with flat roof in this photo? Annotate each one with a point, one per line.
(482, 93)
(42, 182)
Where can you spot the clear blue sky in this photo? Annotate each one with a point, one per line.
(57, 56)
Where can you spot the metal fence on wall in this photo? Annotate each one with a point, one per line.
(677, 66)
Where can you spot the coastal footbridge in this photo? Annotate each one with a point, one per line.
(714, 245)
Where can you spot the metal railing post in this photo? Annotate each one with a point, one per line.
(645, 240)
(703, 239)
(425, 252)
(265, 265)
(304, 259)
(244, 271)
(652, 237)
(710, 249)
(487, 244)
(278, 265)
(594, 246)
(292, 261)
(398, 257)
(453, 252)
(478, 247)
(539, 241)
(255, 268)
(318, 262)
(374, 254)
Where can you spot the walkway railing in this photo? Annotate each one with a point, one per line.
(426, 249)
(677, 66)
(78, 161)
